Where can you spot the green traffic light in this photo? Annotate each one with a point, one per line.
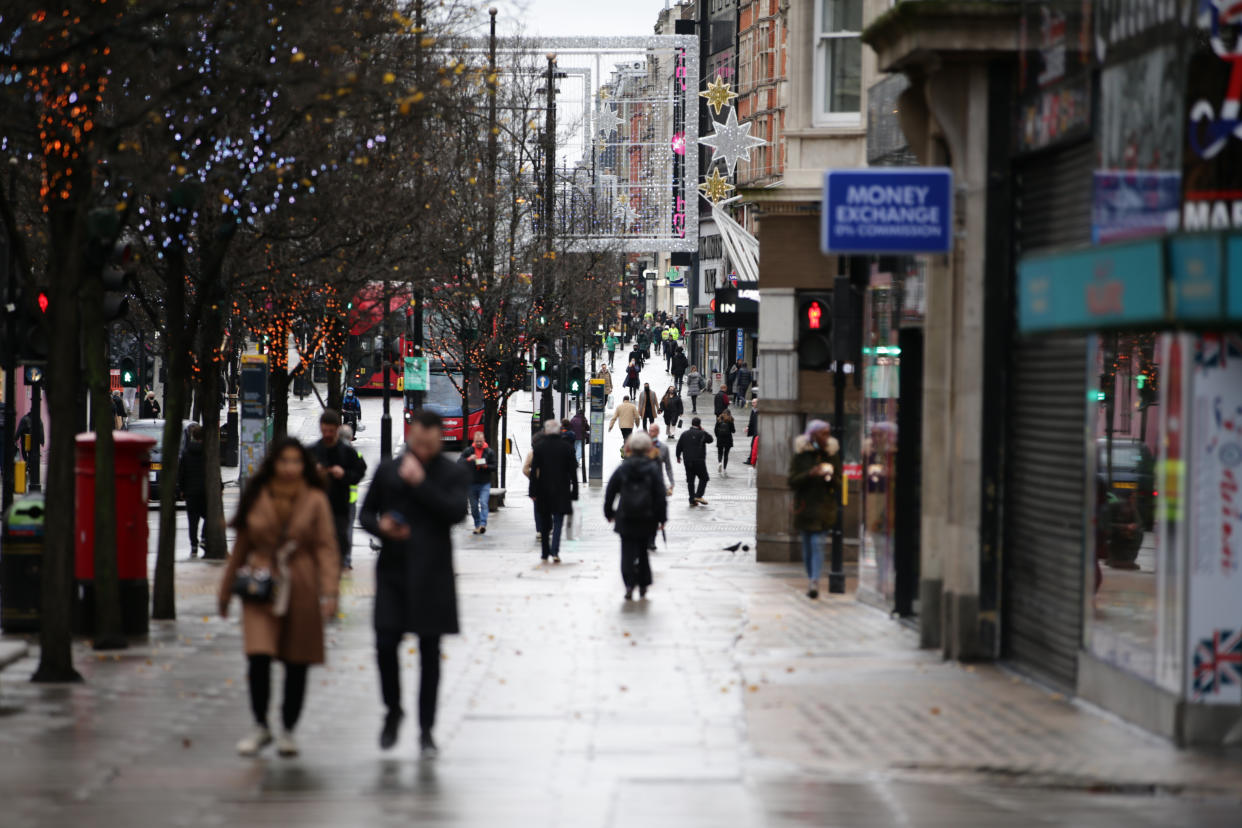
(127, 377)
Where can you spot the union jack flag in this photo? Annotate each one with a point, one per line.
(1218, 661)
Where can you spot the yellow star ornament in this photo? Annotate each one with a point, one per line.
(715, 188)
(718, 94)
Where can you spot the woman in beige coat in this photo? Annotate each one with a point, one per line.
(284, 527)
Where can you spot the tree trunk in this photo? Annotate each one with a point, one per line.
(108, 633)
(279, 387)
(176, 347)
(62, 379)
(213, 331)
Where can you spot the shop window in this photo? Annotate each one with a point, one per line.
(1130, 565)
(838, 63)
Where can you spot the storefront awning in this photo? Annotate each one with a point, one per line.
(1180, 281)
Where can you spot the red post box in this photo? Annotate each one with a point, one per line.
(129, 479)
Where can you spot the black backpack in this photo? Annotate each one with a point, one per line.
(635, 504)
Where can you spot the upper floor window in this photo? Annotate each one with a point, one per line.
(838, 62)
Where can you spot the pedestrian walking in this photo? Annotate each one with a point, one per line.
(814, 480)
(626, 413)
(553, 487)
(347, 437)
(648, 405)
(636, 357)
(725, 429)
(692, 453)
(286, 566)
(149, 408)
(752, 431)
(192, 483)
(604, 374)
(721, 402)
(412, 505)
(526, 464)
(694, 386)
(581, 431)
(611, 345)
(480, 461)
(29, 427)
(636, 505)
(672, 408)
(118, 411)
(742, 379)
(662, 456)
(632, 381)
(678, 365)
(342, 467)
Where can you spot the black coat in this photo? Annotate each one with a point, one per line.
(724, 433)
(415, 588)
(149, 409)
(636, 526)
(478, 474)
(679, 364)
(752, 425)
(692, 444)
(554, 476)
(721, 401)
(192, 476)
(341, 454)
(672, 409)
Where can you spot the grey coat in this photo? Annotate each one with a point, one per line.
(695, 383)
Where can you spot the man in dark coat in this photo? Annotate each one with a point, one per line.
(679, 365)
(149, 408)
(192, 482)
(692, 453)
(638, 480)
(553, 487)
(412, 505)
(342, 468)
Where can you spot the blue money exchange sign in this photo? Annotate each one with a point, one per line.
(888, 210)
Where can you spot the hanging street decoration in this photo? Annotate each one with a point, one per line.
(679, 143)
(607, 121)
(715, 188)
(731, 141)
(718, 94)
(626, 214)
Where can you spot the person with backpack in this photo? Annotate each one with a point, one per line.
(636, 505)
(672, 408)
(692, 446)
(721, 401)
(725, 429)
(648, 405)
(694, 386)
(816, 484)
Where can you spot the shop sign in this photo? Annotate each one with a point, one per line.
(737, 308)
(1214, 620)
(1212, 172)
(1054, 84)
(1119, 21)
(1134, 205)
(1194, 268)
(1092, 289)
(888, 210)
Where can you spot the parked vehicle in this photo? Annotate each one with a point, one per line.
(1133, 474)
(155, 430)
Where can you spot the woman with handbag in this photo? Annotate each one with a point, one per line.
(285, 567)
(672, 408)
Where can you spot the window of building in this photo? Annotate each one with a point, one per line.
(838, 63)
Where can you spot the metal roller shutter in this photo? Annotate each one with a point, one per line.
(1045, 470)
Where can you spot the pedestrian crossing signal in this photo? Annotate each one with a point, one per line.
(815, 333)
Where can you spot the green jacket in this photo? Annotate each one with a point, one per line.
(815, 500)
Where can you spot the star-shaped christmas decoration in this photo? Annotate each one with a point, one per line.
(626, 213)
(718, 94)
(715, 188)
(606, 121)
(731, 141)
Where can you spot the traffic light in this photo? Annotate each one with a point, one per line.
(566, 324)
(576, 380)
(543, 366)
(814, 331)
(31, 323)
(118, 279)
(129, 373)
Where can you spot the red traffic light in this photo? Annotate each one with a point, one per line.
(42, 301)
(566, 324)
(814, 313)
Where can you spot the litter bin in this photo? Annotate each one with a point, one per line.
(21, 559)
(129, 478)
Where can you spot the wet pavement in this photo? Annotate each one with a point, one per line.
(726, 698)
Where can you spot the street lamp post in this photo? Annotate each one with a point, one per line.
(10, 361)
(386, 364)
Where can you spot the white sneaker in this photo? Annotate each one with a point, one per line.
(286, 745)
(718, 468)
(255, 742)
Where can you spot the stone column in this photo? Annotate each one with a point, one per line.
(779, 422)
